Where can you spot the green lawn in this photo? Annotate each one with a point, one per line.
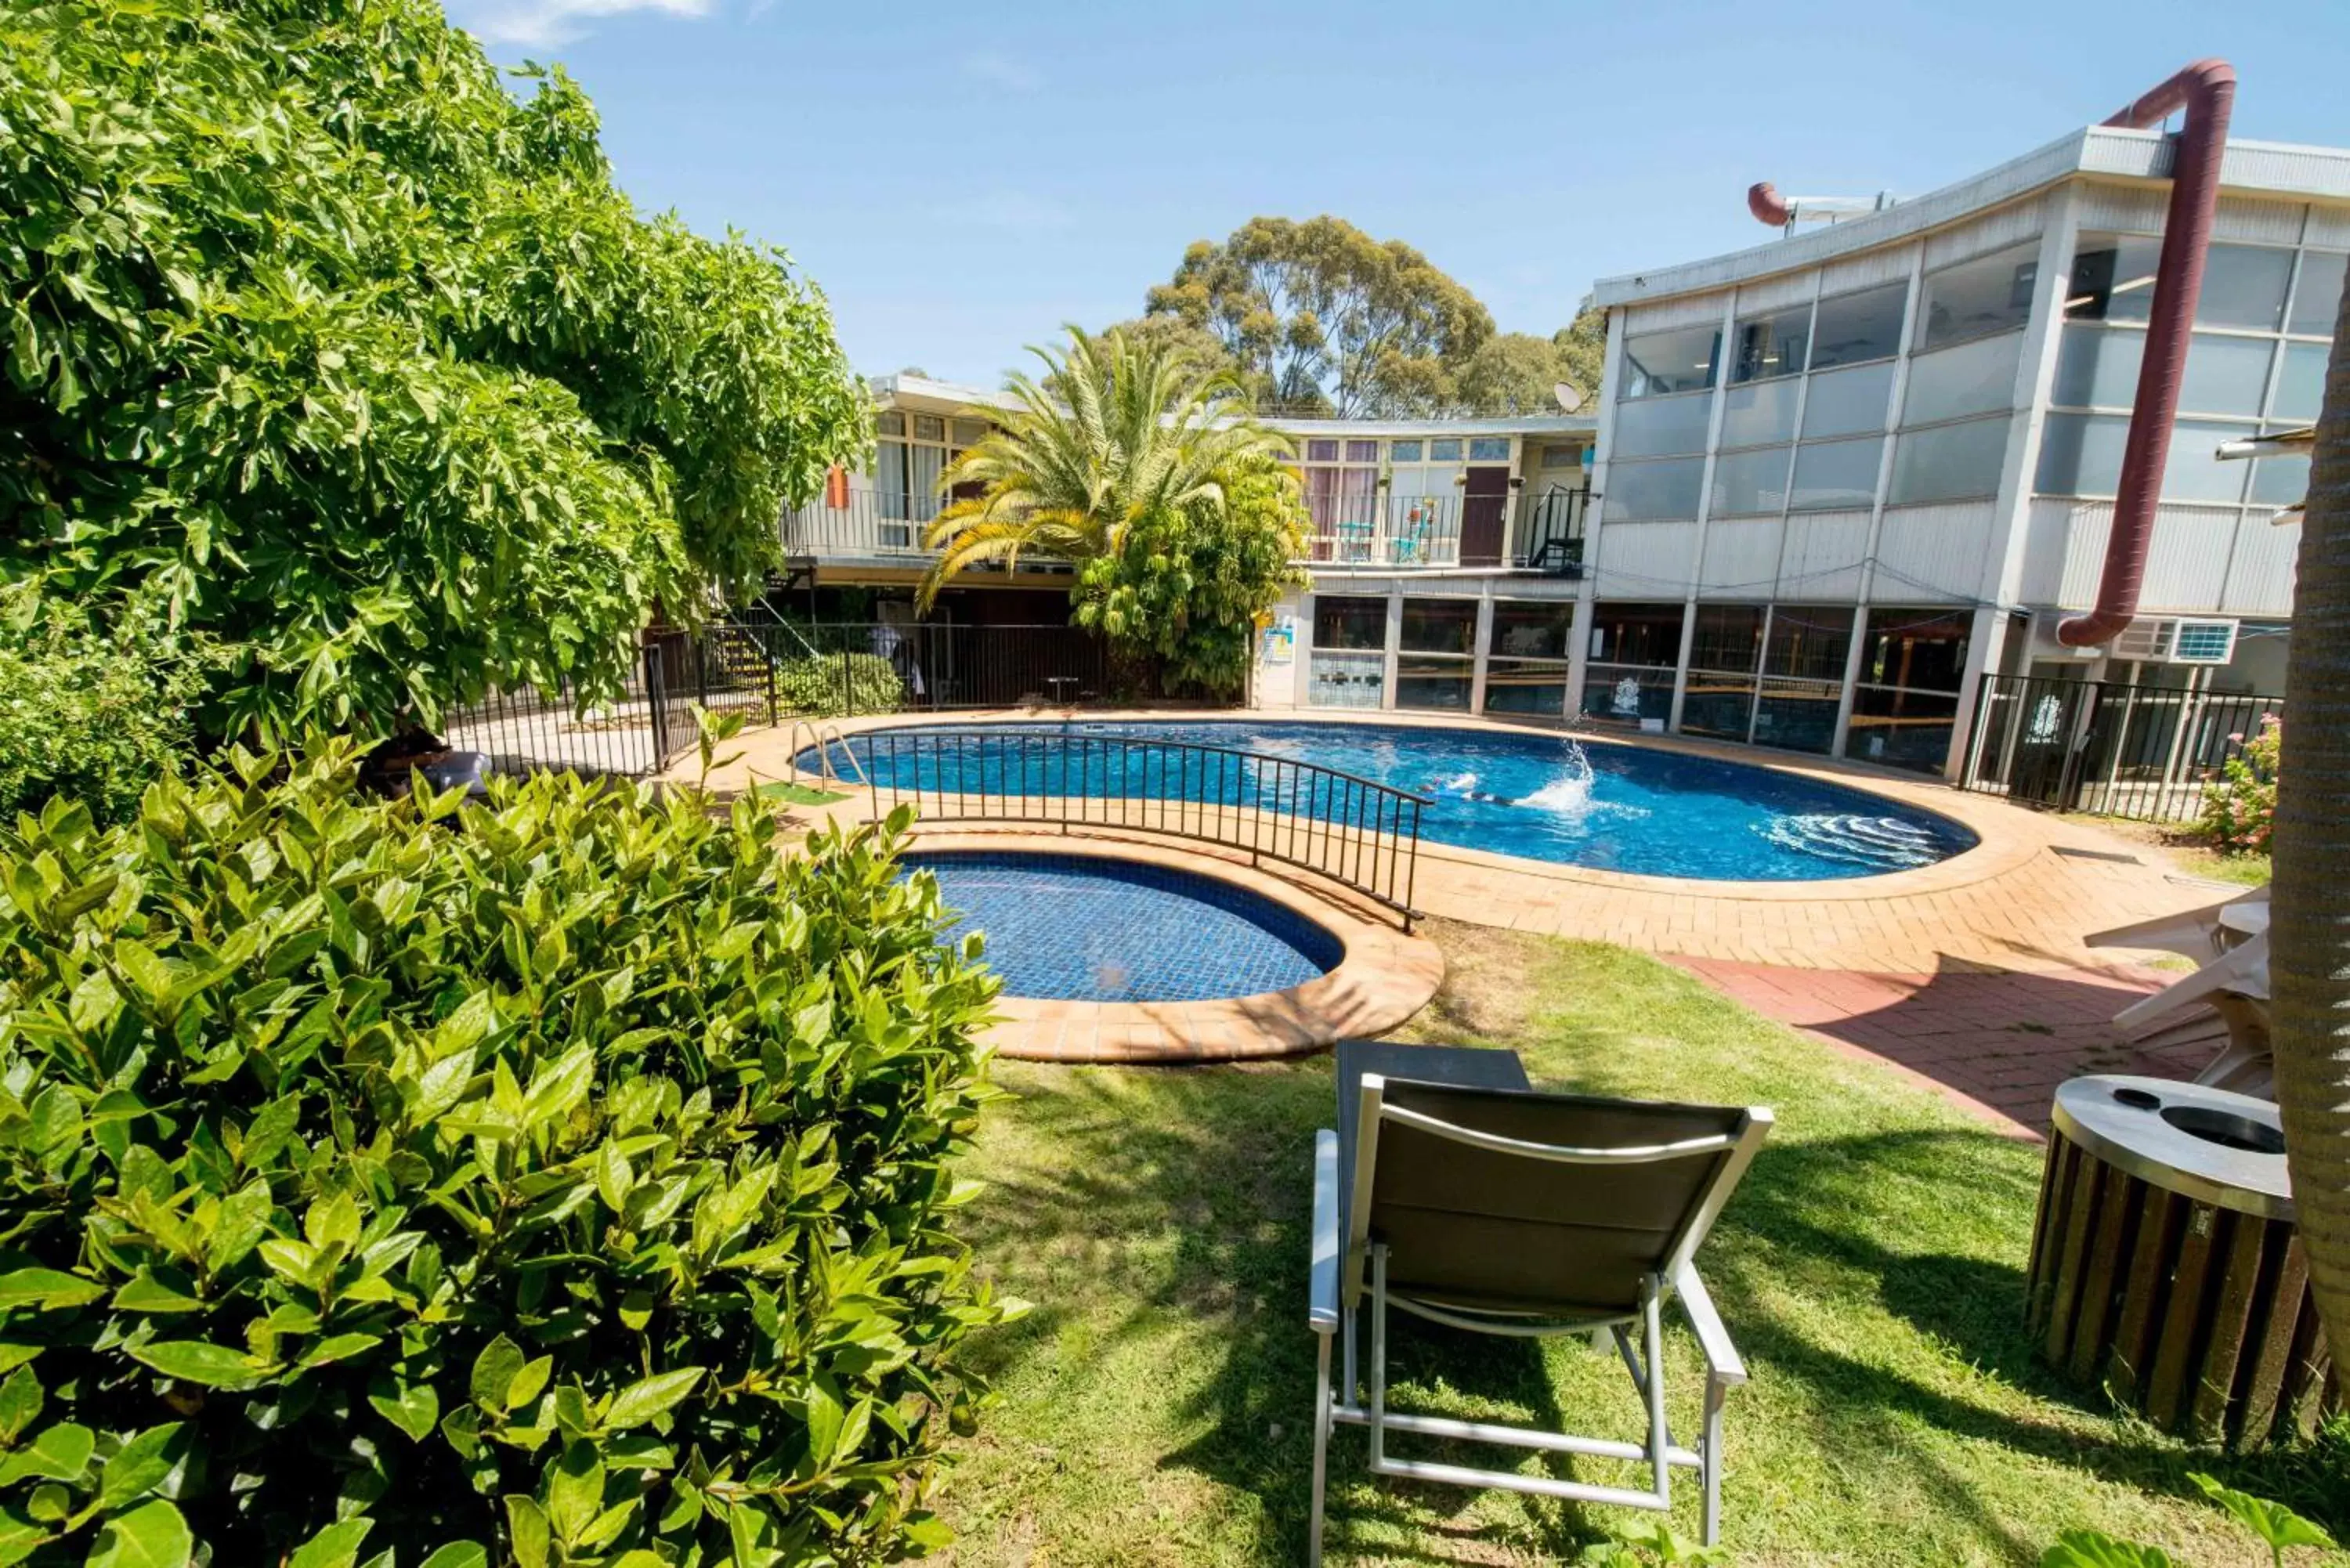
(1155, 1403)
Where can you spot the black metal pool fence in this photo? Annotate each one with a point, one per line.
(1352, 830)
(2150, 753)
(774, 671)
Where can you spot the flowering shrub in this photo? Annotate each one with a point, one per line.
(2240, 813)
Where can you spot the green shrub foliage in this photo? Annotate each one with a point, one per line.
(90, 709)
(361, 362)
(2240, 812)
(558, 1179)
(830, 685)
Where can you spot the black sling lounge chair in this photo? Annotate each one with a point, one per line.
(1454, 1192)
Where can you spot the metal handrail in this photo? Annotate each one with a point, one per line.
(1354, 831)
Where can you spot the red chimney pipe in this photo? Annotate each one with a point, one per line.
(1762, 201)
(2206, 91)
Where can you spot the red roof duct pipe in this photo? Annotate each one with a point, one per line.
(2206, 91)
(1762, 201)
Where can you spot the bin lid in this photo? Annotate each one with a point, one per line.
(2206, 1144)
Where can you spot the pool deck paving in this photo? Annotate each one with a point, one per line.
(1973, 972)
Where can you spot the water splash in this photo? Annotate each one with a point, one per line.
(1571, 795)
(1878, 843)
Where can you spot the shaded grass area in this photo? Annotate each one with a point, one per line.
(1871, 1269)
(2186, 848)
(790, 793)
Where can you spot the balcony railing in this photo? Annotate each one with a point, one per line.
(1528, 532)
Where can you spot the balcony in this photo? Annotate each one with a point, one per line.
(1393, 533)
(1436, 532)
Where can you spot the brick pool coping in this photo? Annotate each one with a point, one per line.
(1385, 977)
(2020, 899)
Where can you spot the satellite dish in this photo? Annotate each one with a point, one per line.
(1569, 397)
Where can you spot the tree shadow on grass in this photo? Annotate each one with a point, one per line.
(1135, 1194)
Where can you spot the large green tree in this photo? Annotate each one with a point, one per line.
(357, 361)
(1141, 465)
(1319, 317)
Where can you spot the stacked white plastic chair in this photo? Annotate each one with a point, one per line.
(2225, 1003)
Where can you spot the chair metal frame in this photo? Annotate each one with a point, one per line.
(1338, 1296)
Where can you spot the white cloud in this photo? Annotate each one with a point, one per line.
(541, 24)
(993, 68)
(1016, 212)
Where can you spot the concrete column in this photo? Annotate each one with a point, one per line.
(1395, 644)
(1483, 646)
(1853, 657)
(1578, 651)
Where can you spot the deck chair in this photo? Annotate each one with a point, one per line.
(1490, 1208)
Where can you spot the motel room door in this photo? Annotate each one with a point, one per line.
(1485, 492)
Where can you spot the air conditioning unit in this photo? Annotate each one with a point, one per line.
(2151, 639)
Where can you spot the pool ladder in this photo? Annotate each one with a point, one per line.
(823, 737)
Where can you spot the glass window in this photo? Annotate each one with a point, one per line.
(1901, 729)
(1971, 379)
(1679, 361)
(1625, 693)
(1974, 299)
(1489, 449)
(1750, 482)
(2301, 382)
(2317, 296)
(1660, 427)
(1727, 637)
(1809, 640)
(1569, 455)
(1646, 491)
(1422, 682)
(1796, 715)
(1346, 679)
(1925, 649)
(1403, 452)
(1857, 327)
(1848, 402)
(1641, 634)
(1771, 345)
(2113, 277)
(2280, 481)
(1514, 687)
(1321, 451)
(929, 427)
(1350, 623)
(1362, 451)
(969, 432)
(2097, 369)
(1444, 451)
(2081, 454)
(1763, 413)
(1439, 625)
(1949, 463)
(890, 423)
(1535, 628)
(1830, 475)
(2244, 286)
(2225, 375)
(2193, 469)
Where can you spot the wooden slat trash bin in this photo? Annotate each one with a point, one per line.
(2166, 1264)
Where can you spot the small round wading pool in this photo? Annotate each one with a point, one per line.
(1083, 929)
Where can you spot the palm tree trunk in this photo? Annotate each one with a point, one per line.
(2309, 935)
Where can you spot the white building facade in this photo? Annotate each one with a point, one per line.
(1841, 476)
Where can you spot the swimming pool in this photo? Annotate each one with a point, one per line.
(1090, 929)
(1546, 797)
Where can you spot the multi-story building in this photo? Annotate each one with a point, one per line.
(1843, 475)
(1471, 531)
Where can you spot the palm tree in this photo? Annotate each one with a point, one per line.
(2309, 934)
(1116, 430)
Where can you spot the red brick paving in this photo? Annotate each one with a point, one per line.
(1997, 1042)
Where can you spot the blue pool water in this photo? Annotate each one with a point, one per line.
(1544, 796)
(1077, 927)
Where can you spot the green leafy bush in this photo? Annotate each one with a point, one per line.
(558, 1179)
(91, 711)
(816, 685)
(2240, 813)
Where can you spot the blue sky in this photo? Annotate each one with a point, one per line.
(962, 179)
